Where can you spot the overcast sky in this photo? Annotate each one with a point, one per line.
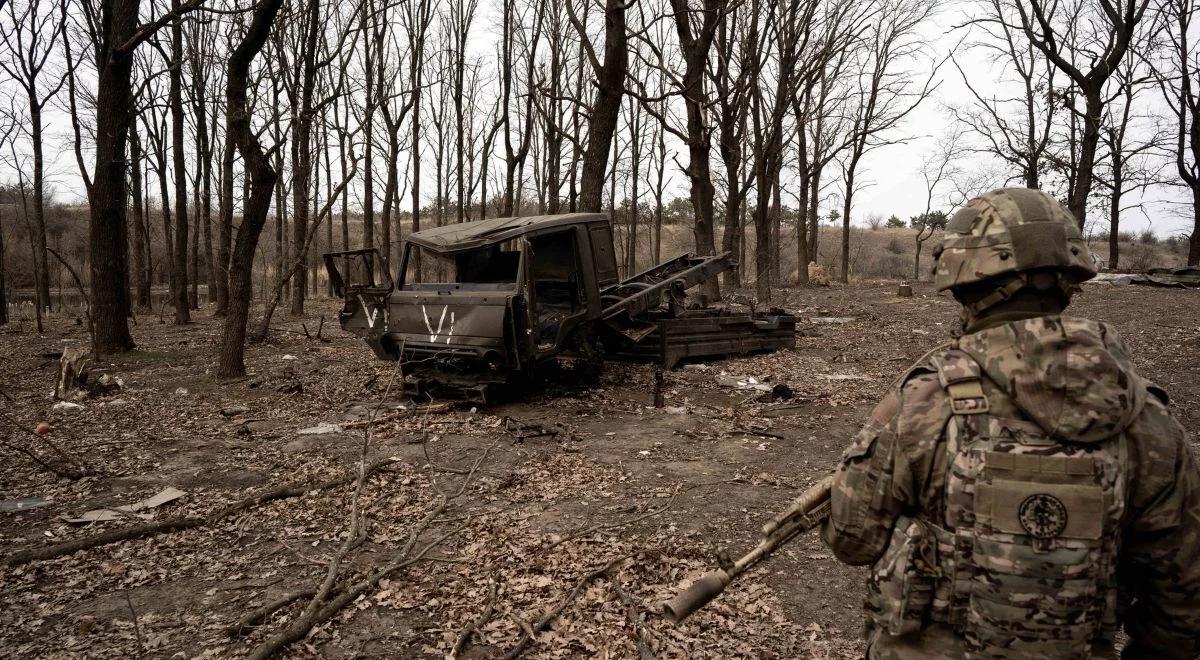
(892, 182)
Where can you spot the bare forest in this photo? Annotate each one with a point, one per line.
(173, 171)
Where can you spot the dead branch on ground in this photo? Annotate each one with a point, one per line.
(546, 619)
(294, 489)
(68, 466)
(631, 612)
(617, 525)
(473, 628)
(299, 628)
(53, 467)
(257, 615)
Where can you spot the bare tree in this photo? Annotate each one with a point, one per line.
(1115, 23)
(8, 132)
(120, 35)
(1016, 129)
(737, 42)
(29, 33)
(885, 96)
(1133, 144)
(179, 269)
(606, 105)
(1176, 74)
(262, 177)
(791, 25)
(938, 167)
(417, 18)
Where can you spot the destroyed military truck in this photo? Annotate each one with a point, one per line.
(479, 304)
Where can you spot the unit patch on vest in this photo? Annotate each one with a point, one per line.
(1043, 516)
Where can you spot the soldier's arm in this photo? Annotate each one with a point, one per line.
(1160, 554)
(876, 479)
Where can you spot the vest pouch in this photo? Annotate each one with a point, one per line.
(1038, 556)
(900, 588)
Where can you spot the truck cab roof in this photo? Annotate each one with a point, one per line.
(471, 235)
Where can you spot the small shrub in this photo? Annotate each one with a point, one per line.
(1125, 236)
(895, 246)
(891, 266)
(1148, 237)
(1138, 257)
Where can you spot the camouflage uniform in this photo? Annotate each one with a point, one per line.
(1022, 490)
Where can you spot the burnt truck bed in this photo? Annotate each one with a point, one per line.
(707, 333)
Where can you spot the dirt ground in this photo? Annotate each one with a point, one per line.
(567, 481)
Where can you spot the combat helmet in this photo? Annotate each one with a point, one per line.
(1002, 237)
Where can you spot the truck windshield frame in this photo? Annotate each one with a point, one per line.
(492, 267)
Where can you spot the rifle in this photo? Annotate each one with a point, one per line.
(804, 513)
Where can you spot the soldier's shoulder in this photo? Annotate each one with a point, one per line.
(1155, 442)
(1155, 425)
(922, 406)
(920, 383)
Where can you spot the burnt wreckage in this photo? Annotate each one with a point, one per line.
(512, 294)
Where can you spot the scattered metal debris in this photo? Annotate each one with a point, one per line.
(1189, 276)
(23, 504)
(743, 383)
(324, 428)
(1177, 278)
(168, 494)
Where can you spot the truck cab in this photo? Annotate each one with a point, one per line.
(484, 299)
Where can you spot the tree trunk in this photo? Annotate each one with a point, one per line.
(225, 229)
(41, 269)
(803, 175)
(844, 274)
(107, 229)
(814, 222)
(1194, 244)
(179, 257)
(1114, 219)
(141, 242)
(262, 183)
(3, 290)
(415, 72)
(606, 108)
(368, 234)
(302, 158)
(776, 215)
(204, 208)
(194, 254)
(1077, 204)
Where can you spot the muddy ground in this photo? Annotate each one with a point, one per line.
(568, 480)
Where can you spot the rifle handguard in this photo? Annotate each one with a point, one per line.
(704, 589)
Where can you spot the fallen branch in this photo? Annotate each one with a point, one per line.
(256, 616)
(87, 301)
(631, 613)
(137, 627)
(323, 606)
(546, 619)
(181, 523)
(71, 468)
(472, 628)
(617, 525)
(298, 629)
(435, 408)
(64, 471)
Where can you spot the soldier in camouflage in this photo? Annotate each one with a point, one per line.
(1021, 491)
